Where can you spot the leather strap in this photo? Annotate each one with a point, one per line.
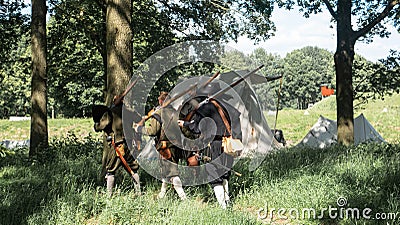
(120, 153)
(223, 116)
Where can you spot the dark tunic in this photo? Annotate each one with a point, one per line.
(111, 123)
(212, 132)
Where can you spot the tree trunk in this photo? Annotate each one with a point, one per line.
(119, 47)
(344, 57)
(119, 54)
(39, 134)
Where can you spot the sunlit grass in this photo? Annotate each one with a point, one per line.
(20, 130)
(296, 123)
(66, 188)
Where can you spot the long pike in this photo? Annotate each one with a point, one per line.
(119, 98)
(190, 89)
(232, 85)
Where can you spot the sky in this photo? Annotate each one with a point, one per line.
(295, 32)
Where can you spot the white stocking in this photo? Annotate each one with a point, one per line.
(226, 189)
(136, 181)
(176, 181)
(220, 195)
(164, 186)
(110, 184)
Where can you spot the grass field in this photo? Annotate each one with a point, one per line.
(293, 122)
(296, 124)
(291, 186)
(19, 130)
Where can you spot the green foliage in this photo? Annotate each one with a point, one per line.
(14, 59)
(78, 53)
(16, 80)
(273, 66)
(219, 20)
(267, 92)
(76, 37)
(75, 73)
(305, 70)
(376, 80)
(13, 25)
(235, 60)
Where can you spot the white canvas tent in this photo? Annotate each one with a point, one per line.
(365, 132)
(324, 133)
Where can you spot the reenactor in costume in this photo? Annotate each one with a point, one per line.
(116, 152)
(218, 168)
(160, 122)
(185, 112)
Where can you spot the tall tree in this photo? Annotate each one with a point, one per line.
(305, 71)
(119, 46)
(39, 133)
(273, 65)
(369, 18)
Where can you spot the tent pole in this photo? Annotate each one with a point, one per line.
(277, 104)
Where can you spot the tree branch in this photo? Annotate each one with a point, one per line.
(215, 3)
(391, 4)
(172, 26)
(330, 8)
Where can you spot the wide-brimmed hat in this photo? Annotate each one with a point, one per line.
(98, 111)
(211, 89)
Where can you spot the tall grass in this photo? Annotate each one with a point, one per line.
(366, 175)
(66, 189)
